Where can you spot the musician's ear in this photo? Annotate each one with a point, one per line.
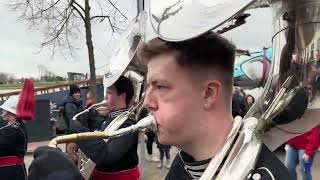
(123, 96)
(211, 93)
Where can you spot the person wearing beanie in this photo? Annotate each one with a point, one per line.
(74, 89)
(13, 136)
(72, 104)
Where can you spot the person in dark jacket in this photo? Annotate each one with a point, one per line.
(238, 104)
(72, 103)
(13, 142)
(189, 91)
(116, 159)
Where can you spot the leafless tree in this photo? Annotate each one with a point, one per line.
(3, 78)
(6, 78)
(64, 21)
(43, 71)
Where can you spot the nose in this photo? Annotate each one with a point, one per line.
(150, 101)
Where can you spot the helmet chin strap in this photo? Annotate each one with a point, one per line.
(4, 112)
(12, 121)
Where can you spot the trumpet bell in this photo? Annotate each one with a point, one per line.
(169, 18)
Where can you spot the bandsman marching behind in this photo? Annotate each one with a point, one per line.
(116, 159)
(13, 136)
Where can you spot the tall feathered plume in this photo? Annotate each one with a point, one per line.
(26, 104)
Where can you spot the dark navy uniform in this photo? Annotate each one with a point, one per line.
(117, 155)
(13, 147)
(268, 167)
(71, 108)
(52, 164)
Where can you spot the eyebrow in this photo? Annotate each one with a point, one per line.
(155, 82)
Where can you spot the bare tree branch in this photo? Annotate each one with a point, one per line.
(51, 6)
(102, 17)
(78, 11)
(58, 30)
(75, 2)
(65, 22)
(111, 24)
(115, 7)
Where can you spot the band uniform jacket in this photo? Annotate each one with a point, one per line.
(13, 147)
(268, 167)
(117, 154)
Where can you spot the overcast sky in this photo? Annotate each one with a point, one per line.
(19, 46)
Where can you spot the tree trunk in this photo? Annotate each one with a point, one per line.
(87, 25)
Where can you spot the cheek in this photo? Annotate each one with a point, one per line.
(175, 115)
(176, 108)
(7, 118)
(109, 99)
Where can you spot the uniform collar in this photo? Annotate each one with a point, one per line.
(116, 113)
(13, 123)
(194, 168)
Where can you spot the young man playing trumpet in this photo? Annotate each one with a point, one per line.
(189, 91)
(116, 159)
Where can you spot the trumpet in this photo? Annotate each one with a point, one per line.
(104, 102)
(86, 165)
(112, 131)
(148, 122)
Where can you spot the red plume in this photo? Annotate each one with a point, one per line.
(26, 104)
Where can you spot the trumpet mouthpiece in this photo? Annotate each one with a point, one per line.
(148, 122)
(103, 102)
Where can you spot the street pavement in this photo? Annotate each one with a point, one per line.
(149, 170)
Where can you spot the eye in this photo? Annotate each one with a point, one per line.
(160, 87)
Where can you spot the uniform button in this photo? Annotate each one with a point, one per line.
(256, 176)
(249, 176)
